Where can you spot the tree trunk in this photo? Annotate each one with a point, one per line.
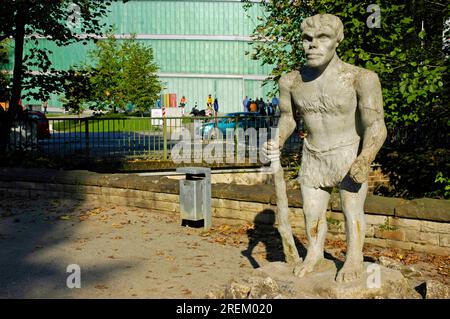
(15, 109)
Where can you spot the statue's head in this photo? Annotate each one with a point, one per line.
(321, 36)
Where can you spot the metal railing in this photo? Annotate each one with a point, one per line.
(115, 138)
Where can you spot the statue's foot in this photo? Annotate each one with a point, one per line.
(352, 270)
(307, 266)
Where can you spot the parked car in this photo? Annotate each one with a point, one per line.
(99, 112)
(196, 112)
(43, 128)
(244, 120)
(98, 107)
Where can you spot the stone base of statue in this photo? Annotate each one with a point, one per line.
(276, 280)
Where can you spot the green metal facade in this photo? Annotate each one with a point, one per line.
(199, 46)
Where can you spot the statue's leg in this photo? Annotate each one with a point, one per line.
(353, 197)
(315, 203)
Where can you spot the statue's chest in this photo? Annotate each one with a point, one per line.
(332, 96)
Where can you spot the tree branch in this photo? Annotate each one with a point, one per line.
(4, 36)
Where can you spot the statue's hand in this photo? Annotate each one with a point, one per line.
(271, 151)
(359, 172)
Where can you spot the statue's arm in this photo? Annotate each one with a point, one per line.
(370, 106)
(287, 123)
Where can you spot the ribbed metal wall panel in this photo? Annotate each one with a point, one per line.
(254, 89)
(215, 17)
(228, 92)
(64, 57)
(180, 56)
(183, 17)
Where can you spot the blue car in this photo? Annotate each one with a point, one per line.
(244, 120)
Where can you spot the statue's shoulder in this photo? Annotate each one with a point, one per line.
(359, 73)
(288, 79)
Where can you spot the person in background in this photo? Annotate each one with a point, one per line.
(270, 112)
(275, 102)
(216, 111)
(216, 107)
(209, 101)
(245, 103)
(253, 106)
(45, 106)
(182, 105)
(261, 107)
(276, 111)
(269, 108)
(248, 104)
(183, 101)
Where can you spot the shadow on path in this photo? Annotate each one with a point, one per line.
(35, 236)
(266, 232)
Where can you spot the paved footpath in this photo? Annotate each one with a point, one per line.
(127, 252)
(122, 252)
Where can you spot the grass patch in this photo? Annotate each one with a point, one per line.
(55, 115)
(106, 125)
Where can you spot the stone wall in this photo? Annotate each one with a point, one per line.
(421, 225)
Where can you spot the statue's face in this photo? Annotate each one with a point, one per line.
(320, 45)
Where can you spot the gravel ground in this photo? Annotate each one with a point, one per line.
(127, 252)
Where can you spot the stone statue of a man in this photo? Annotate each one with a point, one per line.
(342, 109)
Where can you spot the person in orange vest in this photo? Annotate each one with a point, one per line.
(253, 106)
(183, 101)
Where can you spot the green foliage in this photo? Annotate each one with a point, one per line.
(108, 71)
(105, 124)
(409, 60)
(124, 72)
(5, 47)
(387, 226)
(440, 178)
(333, 222)
(77, 90)
(412, 172)
(50, 19)
(278, 40)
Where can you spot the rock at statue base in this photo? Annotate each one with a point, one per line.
(436, 290)
(276, 280)
(248, 288)
(377, 282)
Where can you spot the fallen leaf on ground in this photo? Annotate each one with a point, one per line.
(82, 218)
(101, 287)
(96, 211)
(159, 253)
(186, 291)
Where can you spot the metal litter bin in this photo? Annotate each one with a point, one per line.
(195, 194)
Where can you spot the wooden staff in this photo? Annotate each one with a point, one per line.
(284, 227)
